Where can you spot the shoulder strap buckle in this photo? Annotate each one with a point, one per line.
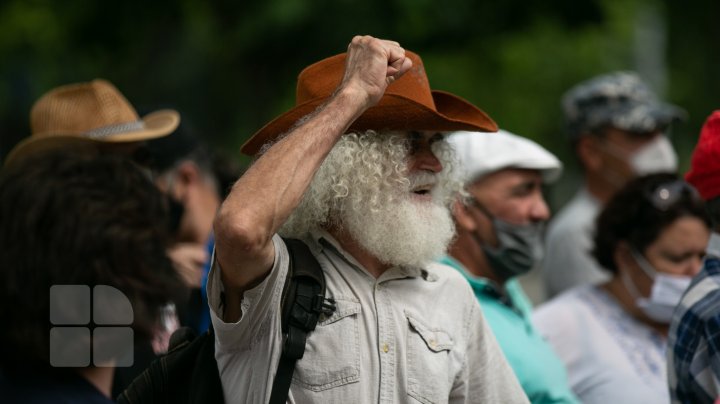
(323, 305)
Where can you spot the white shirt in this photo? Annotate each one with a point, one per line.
(568, 261)
(610, 356)
(411, 335)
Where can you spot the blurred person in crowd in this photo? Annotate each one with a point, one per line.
(694, 337)
(358, 170)
(499, 226)
(651, 237)
(617, 130)
(85, 221)
(95, 118)
(183, 169)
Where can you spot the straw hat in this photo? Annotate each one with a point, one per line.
(85, 114)
(408, 104)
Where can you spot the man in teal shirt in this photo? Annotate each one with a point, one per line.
(499, 223)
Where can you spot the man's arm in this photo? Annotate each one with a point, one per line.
(263, 198)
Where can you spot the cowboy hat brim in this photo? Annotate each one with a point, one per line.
(154, 125)
(394, 112)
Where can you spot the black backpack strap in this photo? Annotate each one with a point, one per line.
(302, 303)
(188, 373)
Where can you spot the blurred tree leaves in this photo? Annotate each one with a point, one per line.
(230, 66)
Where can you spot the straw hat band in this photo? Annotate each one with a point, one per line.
(105, 131)
(88, 115)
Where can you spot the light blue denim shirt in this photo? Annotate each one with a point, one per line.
(411, 335)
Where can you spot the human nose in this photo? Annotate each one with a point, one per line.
(425, 159)
(539, 211)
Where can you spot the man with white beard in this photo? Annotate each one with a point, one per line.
(361, 173)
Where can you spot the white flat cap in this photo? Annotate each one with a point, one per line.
(483, 153)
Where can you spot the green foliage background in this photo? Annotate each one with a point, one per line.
(230, 66)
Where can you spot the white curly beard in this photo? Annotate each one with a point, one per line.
(408, 233)
(363, 187)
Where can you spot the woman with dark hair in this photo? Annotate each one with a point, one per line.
(84, 274)
(651, 238)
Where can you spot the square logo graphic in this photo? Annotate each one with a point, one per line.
(70, 347)
(69, 304)
(76, 339)
(113, 344)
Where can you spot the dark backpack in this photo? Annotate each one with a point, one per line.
(188, 373)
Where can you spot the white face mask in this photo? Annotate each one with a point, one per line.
(657, 156)
(667, 290)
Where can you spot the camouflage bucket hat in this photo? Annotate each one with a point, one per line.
(620, 100)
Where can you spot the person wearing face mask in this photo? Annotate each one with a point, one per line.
(499, 223)
(693, 345)
(651, 238)
(617, 131)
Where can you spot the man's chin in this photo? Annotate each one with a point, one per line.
(410, 233)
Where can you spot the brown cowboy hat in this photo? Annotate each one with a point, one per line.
(86, 114)
(408, 104)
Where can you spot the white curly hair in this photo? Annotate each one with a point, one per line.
(364, 187)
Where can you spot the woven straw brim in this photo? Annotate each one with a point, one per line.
(156, 124)
(393, 113)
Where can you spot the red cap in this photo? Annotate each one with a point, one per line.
(704, 171)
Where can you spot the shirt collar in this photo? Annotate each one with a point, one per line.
(585, 195)
(323, 239)
(480, 284)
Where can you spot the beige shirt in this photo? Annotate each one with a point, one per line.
(411, 335)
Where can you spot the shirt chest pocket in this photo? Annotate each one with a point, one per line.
(332, 352)
(429, 363)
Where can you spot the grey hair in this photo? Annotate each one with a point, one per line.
(361, 161)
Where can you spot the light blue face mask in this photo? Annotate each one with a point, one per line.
(667, 290)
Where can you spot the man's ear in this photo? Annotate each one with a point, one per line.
(187, 173)
(462, 217)
(187, 176)
(589, 152)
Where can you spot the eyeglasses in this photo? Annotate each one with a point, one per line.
(666, 195)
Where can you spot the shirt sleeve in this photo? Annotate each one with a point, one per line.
(486, 376)
(260, 307)
(712, 334)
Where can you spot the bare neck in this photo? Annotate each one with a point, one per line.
(101, 378)
(599, 187)
(367, 260)
(468, 252)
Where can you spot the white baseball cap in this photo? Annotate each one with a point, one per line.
(483, 153)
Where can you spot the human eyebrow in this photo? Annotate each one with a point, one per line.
(678, 257)
(523, 188)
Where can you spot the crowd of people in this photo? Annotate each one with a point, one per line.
(422, 215)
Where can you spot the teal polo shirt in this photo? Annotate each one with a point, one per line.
(537, 367)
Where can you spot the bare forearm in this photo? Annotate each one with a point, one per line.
(267, 193)
(265, 196)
